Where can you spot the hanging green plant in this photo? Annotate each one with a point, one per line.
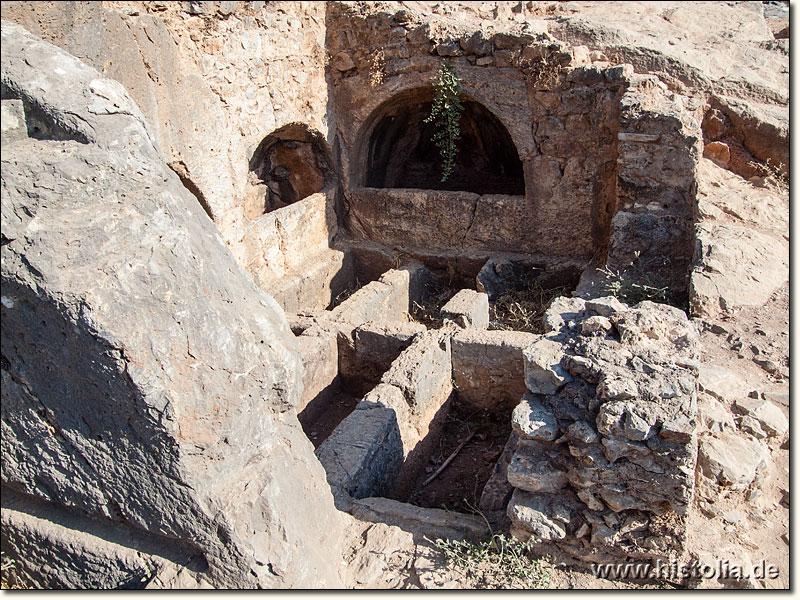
(445, 113)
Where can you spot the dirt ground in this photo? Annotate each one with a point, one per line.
(459, 485)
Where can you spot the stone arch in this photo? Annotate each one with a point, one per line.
(291, 163)
(396, 149)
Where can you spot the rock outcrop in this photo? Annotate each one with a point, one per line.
(148, 384)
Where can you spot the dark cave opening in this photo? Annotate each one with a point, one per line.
(290, 164)
(402, 154)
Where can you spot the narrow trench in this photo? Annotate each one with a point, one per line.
(459, 485)
(519, 293)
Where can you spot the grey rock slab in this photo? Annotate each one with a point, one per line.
(422, 522)
(533, 513)
(768, 414)
(497, 491)
(750, 425)
(423, 371)
(488, 368)
(737, 266)
(721, 383)
(364, 453)
(534, 473)
(467, 309)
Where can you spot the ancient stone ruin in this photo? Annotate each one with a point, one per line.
(252, 338)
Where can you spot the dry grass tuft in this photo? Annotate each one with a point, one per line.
(523, 309)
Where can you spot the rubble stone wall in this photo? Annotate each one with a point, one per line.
(605, 463)
(659, 149)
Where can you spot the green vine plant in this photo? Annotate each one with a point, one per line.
(445, 114)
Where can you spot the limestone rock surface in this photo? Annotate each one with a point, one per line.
(146, 379)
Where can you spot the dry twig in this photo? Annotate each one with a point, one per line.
(449, 459)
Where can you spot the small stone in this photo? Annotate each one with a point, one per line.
(679, 429)
(467, 308)
(595, 325)
(449, 49)
(590, 500)
(583, 432)
(606, 306)
(732, 517)
(719, 152)
(750, 425)
(768, 415)
(603, 535)
(532, 420)
(756, 515)
(636, 428)
(402, 16)
(619, 73)
(532, 474)
(484, 61)
(718, 329)
(542, 363)
(561, 311)
(731, 460)
(342, 62)
(226, 8)
(617, 388)
(560, 512)
(669, 390)
(582, 531)
(532, 512)
(770, 366)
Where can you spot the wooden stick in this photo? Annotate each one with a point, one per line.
(449, 459)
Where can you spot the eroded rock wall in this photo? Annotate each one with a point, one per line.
(213, 81)
(148, 383)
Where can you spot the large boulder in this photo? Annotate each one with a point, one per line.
(148, 383)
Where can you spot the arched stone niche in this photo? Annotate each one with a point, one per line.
(290, 164)
(396, 149)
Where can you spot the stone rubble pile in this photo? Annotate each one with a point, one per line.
(605, 466)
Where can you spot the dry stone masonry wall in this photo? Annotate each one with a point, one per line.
(604, 466)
